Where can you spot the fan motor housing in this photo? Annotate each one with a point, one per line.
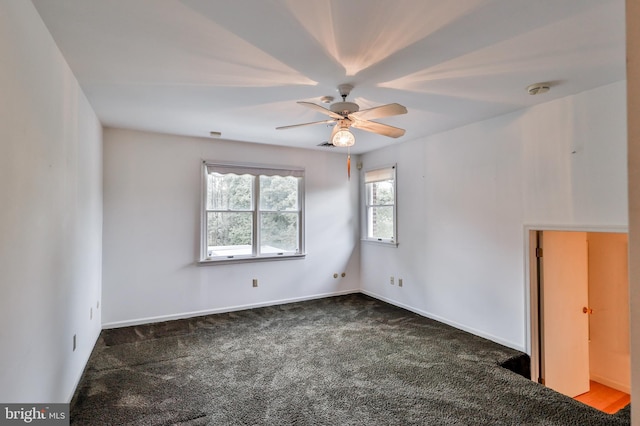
(344, 108)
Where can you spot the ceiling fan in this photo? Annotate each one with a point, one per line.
(347, 114)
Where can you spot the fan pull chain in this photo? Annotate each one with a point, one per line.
(349, 163)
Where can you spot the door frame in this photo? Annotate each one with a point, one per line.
(532, 295)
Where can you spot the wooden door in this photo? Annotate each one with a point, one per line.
(565, 327)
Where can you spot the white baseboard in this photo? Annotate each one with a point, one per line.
(622, 387)
(438, 318)
(183, 315)
(162, 318)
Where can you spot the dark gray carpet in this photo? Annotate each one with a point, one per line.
(348, 360)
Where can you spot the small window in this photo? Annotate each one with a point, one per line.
(380, 203)
(251, 212)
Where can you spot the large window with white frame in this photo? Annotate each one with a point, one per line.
(380, 205)
(251, 212)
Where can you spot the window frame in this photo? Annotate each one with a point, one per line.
(255, 170)
(393, 241)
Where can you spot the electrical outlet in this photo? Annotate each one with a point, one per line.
(255, 282)
(391, 281)
(74, 342)
(399, 282)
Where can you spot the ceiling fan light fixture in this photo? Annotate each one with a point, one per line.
(343, 115)
(343, 138)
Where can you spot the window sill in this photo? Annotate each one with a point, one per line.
(228, 261)
(380, 242)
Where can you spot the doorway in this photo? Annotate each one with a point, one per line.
(580, 312)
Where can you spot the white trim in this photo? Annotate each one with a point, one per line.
(454, 324)
(577, 228)
(386, 243)
(364, 215)
(254, 170)
(162, 318)
(527, 292)
(248, 259)
(611, 383)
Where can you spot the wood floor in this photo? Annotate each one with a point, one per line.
(604, 398)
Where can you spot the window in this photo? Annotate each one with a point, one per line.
(251, 212)
(380, 201)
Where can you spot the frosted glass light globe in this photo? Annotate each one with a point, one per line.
(343, 138)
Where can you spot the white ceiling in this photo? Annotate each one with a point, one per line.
(189, 67)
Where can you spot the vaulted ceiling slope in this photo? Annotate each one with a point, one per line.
(190, 67)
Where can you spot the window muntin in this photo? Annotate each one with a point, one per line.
(252, 212)
(380, 204)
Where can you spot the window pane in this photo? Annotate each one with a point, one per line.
(278, 232)
(381, 222)
(229, 234)
(279, 193)
(229, 192)
(380, 192)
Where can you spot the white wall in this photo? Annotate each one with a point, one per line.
(465, 196)
(50, 215)
(152, 185)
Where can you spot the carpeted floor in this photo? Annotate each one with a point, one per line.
(348, 360)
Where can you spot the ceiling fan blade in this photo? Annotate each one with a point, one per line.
(379, 128)
(321, 109)
(333, 132)
(379, 112)
(305, 124)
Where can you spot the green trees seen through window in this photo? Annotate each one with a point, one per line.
(231, 211)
